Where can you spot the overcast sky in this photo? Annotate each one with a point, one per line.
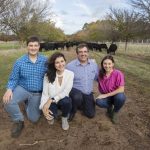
(71, 15)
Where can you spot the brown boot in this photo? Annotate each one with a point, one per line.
(17, 128)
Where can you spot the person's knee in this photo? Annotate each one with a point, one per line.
(90, 115)
(99, 103)
(66, 101)
(90, 112)
(120, 98)
(8, 106)
(34, 119)
(76, 97)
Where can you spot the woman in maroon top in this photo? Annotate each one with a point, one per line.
(111, 87)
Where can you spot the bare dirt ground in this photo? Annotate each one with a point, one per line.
(132, 132)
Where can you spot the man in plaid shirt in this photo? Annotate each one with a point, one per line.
(25, 85)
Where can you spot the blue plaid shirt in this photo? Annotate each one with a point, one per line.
(27, 74)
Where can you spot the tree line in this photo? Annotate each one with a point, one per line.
(26, 17)
(119, 24)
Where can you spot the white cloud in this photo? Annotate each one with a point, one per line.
(70, 16)
(58, 21)
(83, 7)
(117, 3)
(52, 1)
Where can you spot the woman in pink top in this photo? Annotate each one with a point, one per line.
(111, 87)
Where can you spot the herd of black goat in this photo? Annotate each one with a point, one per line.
(93, 46)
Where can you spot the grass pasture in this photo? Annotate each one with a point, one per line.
(132, 132)
(137, 50)
(10, 45)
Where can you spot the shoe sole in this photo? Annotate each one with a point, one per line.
(65, 128)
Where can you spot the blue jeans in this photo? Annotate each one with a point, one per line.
(64, 104)
(82, 101)
(116, 100)
(32, 101)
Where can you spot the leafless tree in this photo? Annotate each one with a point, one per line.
(143, 7)
(21, 12)
(4, 4)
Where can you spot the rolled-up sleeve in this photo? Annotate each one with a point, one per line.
(45, 93)
(14, 77)
(97, 72)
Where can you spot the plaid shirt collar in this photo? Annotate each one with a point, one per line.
(27, 59)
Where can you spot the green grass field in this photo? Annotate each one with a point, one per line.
(9, 45)
(134, 49)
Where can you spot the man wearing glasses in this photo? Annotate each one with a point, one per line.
(85, 72)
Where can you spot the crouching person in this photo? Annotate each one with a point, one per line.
(25, 85)
(111, 87)
(57, 85)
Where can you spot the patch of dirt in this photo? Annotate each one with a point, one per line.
(132, 132)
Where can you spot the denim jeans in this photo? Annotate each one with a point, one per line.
(116, 100)
(32, 101)
(64, 104)
(82, 101)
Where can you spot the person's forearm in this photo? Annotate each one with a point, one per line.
(49, 101)
(119, 90)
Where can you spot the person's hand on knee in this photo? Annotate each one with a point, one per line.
(7, 96)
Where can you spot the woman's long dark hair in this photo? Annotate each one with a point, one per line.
(102, 71)
(51, 70)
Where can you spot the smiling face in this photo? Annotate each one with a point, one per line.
(83, 54)
(33, 48)
(60, 64)
(108, 65)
